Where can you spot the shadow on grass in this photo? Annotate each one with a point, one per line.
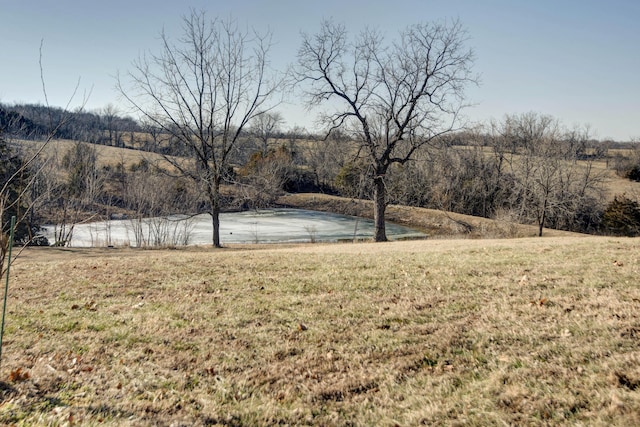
(5, 388)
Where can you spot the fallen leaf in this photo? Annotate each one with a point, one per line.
(18, 375)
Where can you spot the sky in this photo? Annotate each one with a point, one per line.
(576, 60)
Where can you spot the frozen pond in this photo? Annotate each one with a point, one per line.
(262, 226)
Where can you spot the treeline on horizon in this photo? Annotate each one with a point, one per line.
(35, 121)
(107, 127)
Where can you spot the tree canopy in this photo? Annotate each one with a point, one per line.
(390, 97)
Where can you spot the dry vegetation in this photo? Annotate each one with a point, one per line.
(106, 155)
(441, 332)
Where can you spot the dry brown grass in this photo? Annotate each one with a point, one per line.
(444, 332)
(616, 185)
(106, 155)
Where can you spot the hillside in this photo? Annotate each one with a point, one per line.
(439, 332)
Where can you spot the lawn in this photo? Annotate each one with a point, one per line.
(438, 332)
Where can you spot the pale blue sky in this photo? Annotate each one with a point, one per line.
(578, 60)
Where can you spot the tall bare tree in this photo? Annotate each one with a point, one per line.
(110, 117)
(390, 98)
(203, 91)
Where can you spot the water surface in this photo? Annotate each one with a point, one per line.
(258, 226)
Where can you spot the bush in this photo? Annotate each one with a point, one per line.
(634, 173)
(622, 217)
(265, 176)
(352, 180)
(12, 200)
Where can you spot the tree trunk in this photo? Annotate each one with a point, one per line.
(214, 199)
(541, 226)
(215, 220)
(380, 204)
(543, 217)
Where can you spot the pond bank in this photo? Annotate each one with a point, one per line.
(435, 223)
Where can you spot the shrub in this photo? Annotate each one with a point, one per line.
(351, 180)
(12, 200)
(622, 217)
(634, 173)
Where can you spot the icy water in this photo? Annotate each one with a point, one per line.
(262, 226)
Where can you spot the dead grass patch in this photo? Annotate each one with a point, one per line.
(444, 332)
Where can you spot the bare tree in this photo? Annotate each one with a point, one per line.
(326, 159)
(20, 174)
(554, 184)
(70, 188)
(264, 177)
(154, 198)
(154, 132)
(110, 117)
(391, 99)
(203, 92)
(266, 127)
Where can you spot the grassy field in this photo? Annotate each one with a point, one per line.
(438, 332)
(105, 155)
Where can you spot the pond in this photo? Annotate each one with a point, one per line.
(259, 226)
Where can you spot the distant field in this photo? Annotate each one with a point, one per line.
(614, 184)
(106, 155)
(533, 331)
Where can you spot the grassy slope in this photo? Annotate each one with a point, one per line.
(527, 331)
(466, 332)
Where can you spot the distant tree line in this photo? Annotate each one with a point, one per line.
(32, 121)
